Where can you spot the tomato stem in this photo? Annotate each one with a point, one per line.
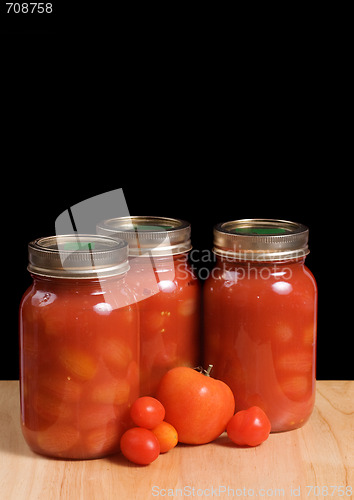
(210, 367)
(206, 372)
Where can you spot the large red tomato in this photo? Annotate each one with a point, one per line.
(197, 405)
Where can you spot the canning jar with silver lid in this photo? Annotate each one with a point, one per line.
(79, 346)
(167, 291)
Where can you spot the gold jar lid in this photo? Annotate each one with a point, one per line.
(261, 240)
(77, 256)
(149, 235)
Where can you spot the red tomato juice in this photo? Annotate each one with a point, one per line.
(169, 305)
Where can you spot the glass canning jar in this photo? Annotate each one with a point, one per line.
(260, 310)
(79, 347)
(167, 291)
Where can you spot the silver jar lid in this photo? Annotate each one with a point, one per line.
(261, 240)
(148, 235)
(78, 256)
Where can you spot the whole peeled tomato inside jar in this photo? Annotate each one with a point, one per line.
(260, 315)
(167, 291)
(79, 347)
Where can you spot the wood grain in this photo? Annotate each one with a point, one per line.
(306, 463)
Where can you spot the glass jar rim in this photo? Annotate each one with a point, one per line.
(149, 235)
(261, 240)
(77, 256)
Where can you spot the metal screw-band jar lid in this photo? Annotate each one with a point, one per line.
(78, 256)
(261, 240)
(148, 235)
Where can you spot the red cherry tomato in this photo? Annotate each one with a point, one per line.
(147, 412)
(140, 445)
(249, 427)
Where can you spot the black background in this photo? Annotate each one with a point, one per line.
(214, 118)
(211, 196)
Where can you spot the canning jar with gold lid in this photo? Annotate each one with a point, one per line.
(260, 318)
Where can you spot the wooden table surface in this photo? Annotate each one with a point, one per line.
(316, 461)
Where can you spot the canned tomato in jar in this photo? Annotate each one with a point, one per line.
(167, 291)
(260, 310)
(79, 347)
